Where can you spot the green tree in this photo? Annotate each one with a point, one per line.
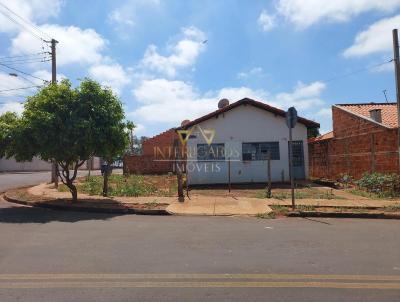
(131, 126)
(109, 128)
(8, 121)
(68, 126)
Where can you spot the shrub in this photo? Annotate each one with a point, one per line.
(384, 185)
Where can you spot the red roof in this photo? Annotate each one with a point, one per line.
(247, 101)
(322, 137)
(389, 111)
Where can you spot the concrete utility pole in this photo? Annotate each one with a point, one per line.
(54, 168)
(397, 77)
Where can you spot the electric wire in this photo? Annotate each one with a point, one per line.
(23, 72)
(27, 22)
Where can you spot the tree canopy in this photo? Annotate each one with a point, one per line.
(70, 125)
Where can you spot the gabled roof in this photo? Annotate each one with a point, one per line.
(247, 101)
(323, 137)
(389, 111)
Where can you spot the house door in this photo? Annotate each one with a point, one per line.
(298, 160)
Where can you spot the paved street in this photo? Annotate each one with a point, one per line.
(126, 258)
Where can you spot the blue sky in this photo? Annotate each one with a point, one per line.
(173, 60)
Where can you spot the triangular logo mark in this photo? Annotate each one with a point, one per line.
(184, 135)
(208, 135)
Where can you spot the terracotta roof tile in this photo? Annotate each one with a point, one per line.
(247, 101)
(389, 111)
(322, 137)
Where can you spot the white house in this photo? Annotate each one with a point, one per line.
(11, 165)
(237, 138)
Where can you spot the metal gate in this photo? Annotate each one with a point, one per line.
(298, 160)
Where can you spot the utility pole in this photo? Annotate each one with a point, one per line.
(397, 78)
(54, 168)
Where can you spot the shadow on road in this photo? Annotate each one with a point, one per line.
(18, 214)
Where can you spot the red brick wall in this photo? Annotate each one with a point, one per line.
(152, 161)
(358, 146)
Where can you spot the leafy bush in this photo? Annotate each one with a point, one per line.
(383, 185)
(345, 179)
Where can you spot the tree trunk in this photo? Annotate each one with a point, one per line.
(105, 180)
(74, 192)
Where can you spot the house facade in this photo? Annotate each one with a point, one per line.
(233, 143)
(11, 165)
(364, 139)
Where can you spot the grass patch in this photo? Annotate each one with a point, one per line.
(392, 208)
(279, 209)
(152, 204)
(381, 195)
(270, 215)
(305, 208)
(131, 186)
(306, 194)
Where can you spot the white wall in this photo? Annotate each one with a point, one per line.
(238, 125)
(35, 165)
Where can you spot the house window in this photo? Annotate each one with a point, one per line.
(259, 151)
(211, 152)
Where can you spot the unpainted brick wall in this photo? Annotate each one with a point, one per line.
(151, 161)
(358, 146)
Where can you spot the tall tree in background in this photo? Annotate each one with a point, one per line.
(131, 126)
(69, 126)
(8, 121)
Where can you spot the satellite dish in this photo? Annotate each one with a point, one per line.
(185, 122)
(223, 103)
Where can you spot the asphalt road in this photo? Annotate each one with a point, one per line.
(49, 255)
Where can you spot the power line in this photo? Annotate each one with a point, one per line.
(22, 25)
(23, 72)
(26, 55)
(20, 88)
(14, 96)
(26, 21)
(18, 62)
(345, 75)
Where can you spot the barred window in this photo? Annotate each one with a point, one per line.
(211, 152)
(259, 151)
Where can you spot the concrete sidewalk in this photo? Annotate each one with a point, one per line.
(219, 206)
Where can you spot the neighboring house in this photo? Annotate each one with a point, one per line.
(155, 157)
(364, 139)
(237, 138)
(36, 164)
(11, 165)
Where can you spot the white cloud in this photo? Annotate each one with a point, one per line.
(118, 17)
(266, 21)
(325, 113)
(303, 97)
(45, 75)
(377, 38)
(124, 17)
(76, 45)
(12, 107)
(304, 13)
(183, 53)
(32, 10)
(253, 72)
(170, 102)
(112, 75)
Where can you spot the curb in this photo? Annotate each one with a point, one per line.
(381, 215)
(86, 209)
